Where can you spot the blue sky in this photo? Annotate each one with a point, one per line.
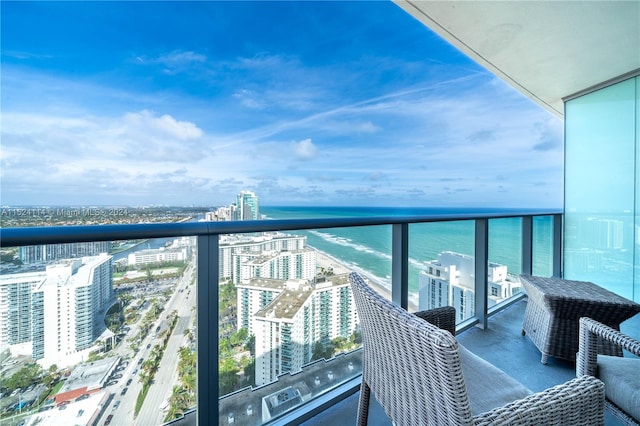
(304, 103)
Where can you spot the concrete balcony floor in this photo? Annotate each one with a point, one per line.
(503, 345)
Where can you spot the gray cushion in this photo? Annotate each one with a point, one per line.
(487, 386)
(621, 377)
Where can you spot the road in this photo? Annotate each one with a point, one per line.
(166, 376)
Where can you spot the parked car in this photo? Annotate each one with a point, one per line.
(108, 421)
(83, 396)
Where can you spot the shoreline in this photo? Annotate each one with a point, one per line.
(325, 260)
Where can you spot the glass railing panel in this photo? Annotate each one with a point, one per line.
(441, 266)
(505, 260)
(543, 246)
(107, 333)
(288, 323)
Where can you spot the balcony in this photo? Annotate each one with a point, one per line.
(492, 331)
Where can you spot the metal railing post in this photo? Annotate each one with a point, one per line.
(481, 271)
(557, 246)
(400, 264)
(207, 332)
(527, 245)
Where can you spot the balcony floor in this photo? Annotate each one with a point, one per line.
(502, 345)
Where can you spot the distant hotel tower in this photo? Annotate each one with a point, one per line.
(448, 281)
(56, 316)
(248, 207)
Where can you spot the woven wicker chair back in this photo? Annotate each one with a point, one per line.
(412, 367)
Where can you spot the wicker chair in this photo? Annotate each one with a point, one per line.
(420, 375)
(621, 375)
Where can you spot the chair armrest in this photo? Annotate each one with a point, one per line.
(591, 332)
(579, 402)
(444, 318)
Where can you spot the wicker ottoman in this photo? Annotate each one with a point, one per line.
(554, 309)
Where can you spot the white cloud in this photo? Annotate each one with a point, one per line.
(305, 149)
(165, 125)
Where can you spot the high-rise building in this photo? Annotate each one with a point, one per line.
(248, 207)
(449, 281)
(15, 308)
(283, 265)
(231, 245)
(289, 318)
(52, 252)
(56, 316)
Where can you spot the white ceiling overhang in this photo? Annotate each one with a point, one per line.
(548, 50)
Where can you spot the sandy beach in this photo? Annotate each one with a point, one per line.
(324, 260)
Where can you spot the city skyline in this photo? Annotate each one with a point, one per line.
(304, 103)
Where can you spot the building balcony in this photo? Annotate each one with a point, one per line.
(325, 391)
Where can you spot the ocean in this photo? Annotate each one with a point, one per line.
(368, 249)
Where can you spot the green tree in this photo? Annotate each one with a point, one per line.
(321, 351)
(228, 376)
(24, 377)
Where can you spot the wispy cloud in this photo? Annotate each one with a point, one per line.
(196, 123)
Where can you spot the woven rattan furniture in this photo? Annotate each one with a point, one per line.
(621, 376)
(420, 375)
(555, 306)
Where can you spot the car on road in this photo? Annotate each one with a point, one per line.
(108, 421)
(124, 391)
(129, 381)
(116, 405)
(148, 345)
(135, 370)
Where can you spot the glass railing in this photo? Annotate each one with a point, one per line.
(257, 315)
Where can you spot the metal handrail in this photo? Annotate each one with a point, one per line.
(208, 243)
(23, 236)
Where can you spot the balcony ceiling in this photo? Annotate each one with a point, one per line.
(548, 50)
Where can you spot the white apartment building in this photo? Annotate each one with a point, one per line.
(300, 315)
(266, 242)
(65, 307)
(15, 310)
(143, 257)
(255, 295)
(222, 214)
(52, 252)
(449, 281)
(282, 265)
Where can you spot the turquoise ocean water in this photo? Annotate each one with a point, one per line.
(368, 249)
